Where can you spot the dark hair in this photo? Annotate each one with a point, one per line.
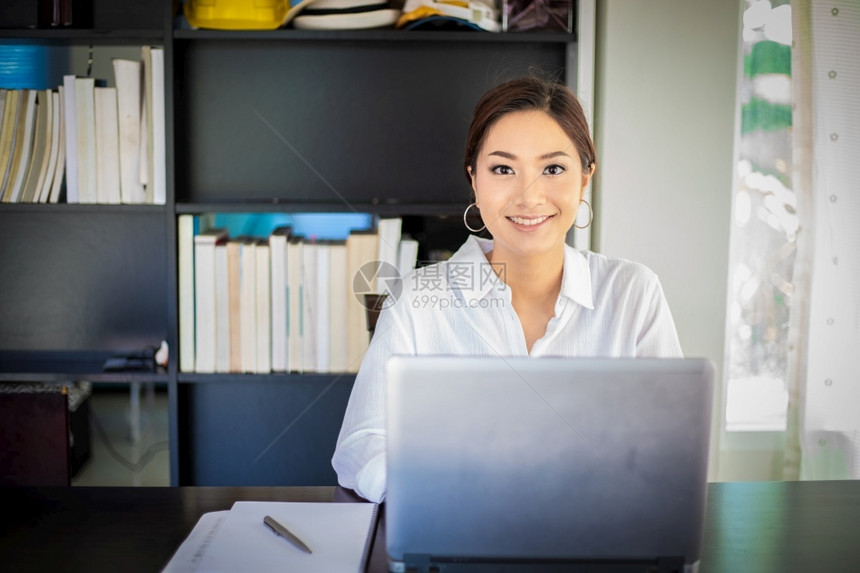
(524, 94)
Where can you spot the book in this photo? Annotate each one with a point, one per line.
(60, 167)
(280, 344)
(407, 256)
(339, 534)
(248, 303)
(107, 146)
(309, 301)
(127, 74)
(146, 123)
(85, 126)
(294, 304)
(222, 309)
(321, 301)
(7, 135)
(153, 116)
(233, 277)
(22, 146)
(389, 244)
(44, 192)
(339, 293)
(159, 157)
(71, 137)
(263, 303)
(204, 299)
(40, 152)
(30, 173)
(362, 248)
(185, 274)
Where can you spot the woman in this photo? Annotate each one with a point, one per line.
(529, 158)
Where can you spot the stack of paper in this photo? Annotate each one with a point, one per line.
(338, 534)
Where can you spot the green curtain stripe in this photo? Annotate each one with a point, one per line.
(768, 58)
(766, 116)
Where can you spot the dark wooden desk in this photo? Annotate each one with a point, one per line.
(770, 526)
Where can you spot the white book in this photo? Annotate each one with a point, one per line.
(85, 124)
(280, 344)
(60, 167)
(185, 264)
(389, 244)
(339, 534)
(407, 256)
(339, 293)
(107, 146)
(234, 272)
(322, 313)
(44, 192)
(129, 101)
(294, 304)
(204, 298)
(71, 138)
(23, 146)
(146, 122)
(362, 247)
(248, 304)
(264, 309)
(308, 324)
(222, 310)
(159, 157)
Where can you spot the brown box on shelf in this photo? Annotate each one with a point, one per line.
(44, 432)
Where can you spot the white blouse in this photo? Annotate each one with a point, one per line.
(606, 308)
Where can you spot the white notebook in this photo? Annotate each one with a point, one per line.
(339, 535)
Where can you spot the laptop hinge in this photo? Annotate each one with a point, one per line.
(423, 563)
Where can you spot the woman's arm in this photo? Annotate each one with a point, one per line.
(359, 458)
(657, 336)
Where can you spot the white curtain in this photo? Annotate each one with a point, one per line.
(824, 405)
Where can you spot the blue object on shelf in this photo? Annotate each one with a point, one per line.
(25, 66)
(319, 226)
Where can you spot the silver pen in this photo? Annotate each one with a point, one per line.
(286, 533)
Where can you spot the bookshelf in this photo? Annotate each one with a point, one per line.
(368, 121)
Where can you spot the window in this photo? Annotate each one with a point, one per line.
(764, 226)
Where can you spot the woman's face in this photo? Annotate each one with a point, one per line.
(528, 183)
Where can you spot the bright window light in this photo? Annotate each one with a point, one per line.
(764, 227)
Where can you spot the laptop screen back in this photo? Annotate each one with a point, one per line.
(550, 458)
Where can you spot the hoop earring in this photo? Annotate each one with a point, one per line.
(590, 215)
(465, 222)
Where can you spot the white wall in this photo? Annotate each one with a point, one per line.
(666, 76)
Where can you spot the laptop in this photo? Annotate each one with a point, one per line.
(546, 464)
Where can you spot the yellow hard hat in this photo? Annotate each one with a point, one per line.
(241, 14)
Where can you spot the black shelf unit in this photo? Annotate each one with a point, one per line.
(70, 36)
(59, 367)
(79, 208)
(366, 121)
(386, 35)
(276, 205)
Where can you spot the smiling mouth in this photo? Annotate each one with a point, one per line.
(528, 222)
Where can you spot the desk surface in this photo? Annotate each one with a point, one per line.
(752, 526)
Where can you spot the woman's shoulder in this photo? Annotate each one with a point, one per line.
(468, 265)
(428, 274)
(421, 281)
